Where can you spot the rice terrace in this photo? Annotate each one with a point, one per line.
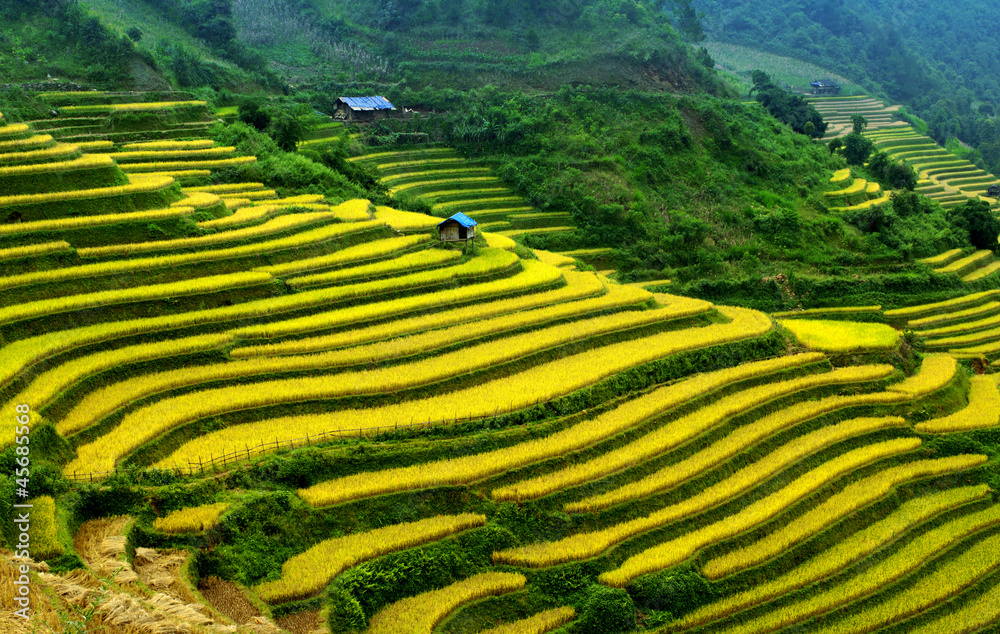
(485, 318)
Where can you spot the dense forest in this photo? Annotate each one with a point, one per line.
(938, 58)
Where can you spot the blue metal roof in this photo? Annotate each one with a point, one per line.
(461, 219)
(368, 103)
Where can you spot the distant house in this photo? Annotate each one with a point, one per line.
(363, 108)
(458, 228)
(825, 87)
(993, 191)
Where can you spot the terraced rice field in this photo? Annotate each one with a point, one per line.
(448, 434)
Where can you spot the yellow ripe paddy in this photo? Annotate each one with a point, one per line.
(841, 336)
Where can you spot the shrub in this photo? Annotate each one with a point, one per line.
(607, 611)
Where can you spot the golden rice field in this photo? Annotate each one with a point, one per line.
(344, 420)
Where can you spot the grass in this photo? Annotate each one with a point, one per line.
(309, 572)
(419, 614)
(841, 336)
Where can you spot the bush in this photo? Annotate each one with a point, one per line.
(607, 611)
(676, 591)
(345, 613)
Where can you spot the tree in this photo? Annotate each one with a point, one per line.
(983, 227)
(859, 123)
(857, 149)
(287, 131)
(134, 34)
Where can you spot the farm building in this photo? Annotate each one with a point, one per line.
(363, 108)
(458, 228)
(993, 191)
(825, 87)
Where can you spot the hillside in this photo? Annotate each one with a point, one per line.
(253, 410)
(935, 58)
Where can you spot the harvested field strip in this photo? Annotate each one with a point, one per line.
(678, 432)
(34, 250)
(198, 144)
(192, 519)
(938, 585)
(379, 155)
(92, 161)
(196, 286)
(158, 155)
(351, 255)
(68, 224)
(406, 220)
(942, 258)
(960, 265)
(21, 144)
(914, 312)
(404, 263)
(471, 468)
(420, 163)
(129, 107)
(578, 287)
(280, 224)
(982, 272)
(135, 186)
(518, 232)
(434, 174)
(227, 188)
(845, 553)
(181, 165)
(993, 320)
(535, 275)
(974, 616)
(315, 236)
(971, 339)
(430, 185)
(58, 151)
(538, 384)
(537, 624)
(721, 451)
(419, 614)
(309, 572)
(678, 550)
(983, 410)
(586, 545)
(171, 412)
(835, 310)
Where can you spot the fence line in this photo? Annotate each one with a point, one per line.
(264, 447)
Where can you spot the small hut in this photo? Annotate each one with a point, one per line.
(825, 87)
(458, 228)
(363, 108)
(993, 191)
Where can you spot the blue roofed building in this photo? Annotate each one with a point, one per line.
(458, 228)
(363, 108)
